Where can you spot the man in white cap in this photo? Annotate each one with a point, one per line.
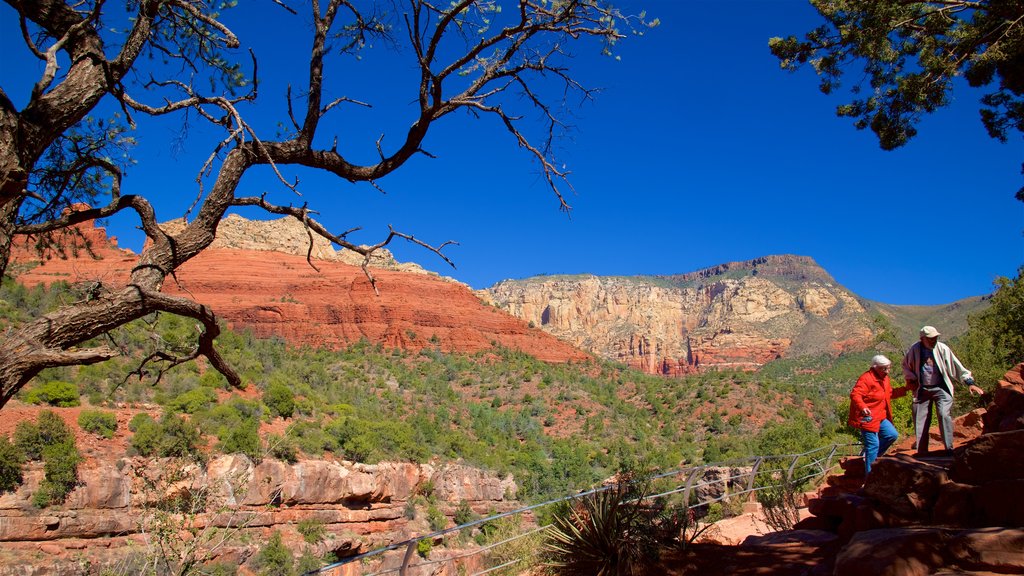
(930, 369)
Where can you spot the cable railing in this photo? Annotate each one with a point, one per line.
(745, 477)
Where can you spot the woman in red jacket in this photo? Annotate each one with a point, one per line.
(871, 409)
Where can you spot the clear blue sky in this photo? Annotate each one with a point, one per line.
(698, 151)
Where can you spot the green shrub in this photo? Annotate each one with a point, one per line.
(11, 461)
(194, 400)
(172, 436)
(99, 422)
(180, 438)
(32, 438)
(241, 439)
(312, 530)
(464, 514)
(54, 393)
(28, 441)
(436, 518)
(274, 559)
(280, 400)
(423, 547)
(283, 448)
(60, 467)
(145, 434)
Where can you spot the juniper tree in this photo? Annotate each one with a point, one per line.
(155, 58)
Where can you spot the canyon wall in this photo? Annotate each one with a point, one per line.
(734, 315)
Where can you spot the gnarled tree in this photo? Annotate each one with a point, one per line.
(907, 56)
(484, 56)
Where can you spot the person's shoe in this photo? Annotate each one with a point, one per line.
(920, 454)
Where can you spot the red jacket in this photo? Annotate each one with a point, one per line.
(876, 395)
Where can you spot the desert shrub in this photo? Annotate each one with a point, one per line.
(435, 517)
(309, 562)
(283, 448)
(194, 400)
(608, 532)
(28, 440)
(99, 422)
(241, 439)
(145, 434)
(172, 436)
(464, 514)
(32, 438)
(180, 438)
(60, 467)
(54, 393)
(274, 559)
(312, 530)
(280, 400)
(781, 504)
(423, 547)
(11, 462)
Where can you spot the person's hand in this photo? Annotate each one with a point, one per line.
(976, 390)
(865, 412)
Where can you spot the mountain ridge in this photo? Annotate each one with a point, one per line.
(739, 314)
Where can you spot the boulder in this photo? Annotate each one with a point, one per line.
(995, 456)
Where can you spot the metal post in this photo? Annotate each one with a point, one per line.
(409, 551)
(789, 473)
(689, 485)
(753, 473)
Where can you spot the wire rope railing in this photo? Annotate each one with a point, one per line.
(804, 468)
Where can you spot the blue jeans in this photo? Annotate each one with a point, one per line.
(876, 443)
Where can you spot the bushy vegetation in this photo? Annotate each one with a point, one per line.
(100, 422)
(11, 461)
(557, 428)
(48, 439)
(53, 393)
(994, 343)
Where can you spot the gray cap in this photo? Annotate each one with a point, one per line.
(929, 332)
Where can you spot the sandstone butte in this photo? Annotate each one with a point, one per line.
(737, 315)
(255, 276)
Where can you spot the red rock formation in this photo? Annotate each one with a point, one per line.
(278, 294)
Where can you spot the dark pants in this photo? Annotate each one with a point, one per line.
(922, 410)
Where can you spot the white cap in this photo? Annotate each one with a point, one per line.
(880, 360)
(929, 332)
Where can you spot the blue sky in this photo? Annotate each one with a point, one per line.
(699, 150)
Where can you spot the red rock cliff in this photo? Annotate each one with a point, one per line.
(279, 294)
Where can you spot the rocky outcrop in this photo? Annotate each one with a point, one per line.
(920, 515)
(741, 314)
(123, 508)
(288, 236)
(274, 291)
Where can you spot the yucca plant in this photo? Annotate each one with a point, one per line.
(608, 533)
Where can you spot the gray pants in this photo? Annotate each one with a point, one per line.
(922, 411)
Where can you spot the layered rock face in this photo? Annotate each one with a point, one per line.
(741, 314)
(117, 518)
(256, 276)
